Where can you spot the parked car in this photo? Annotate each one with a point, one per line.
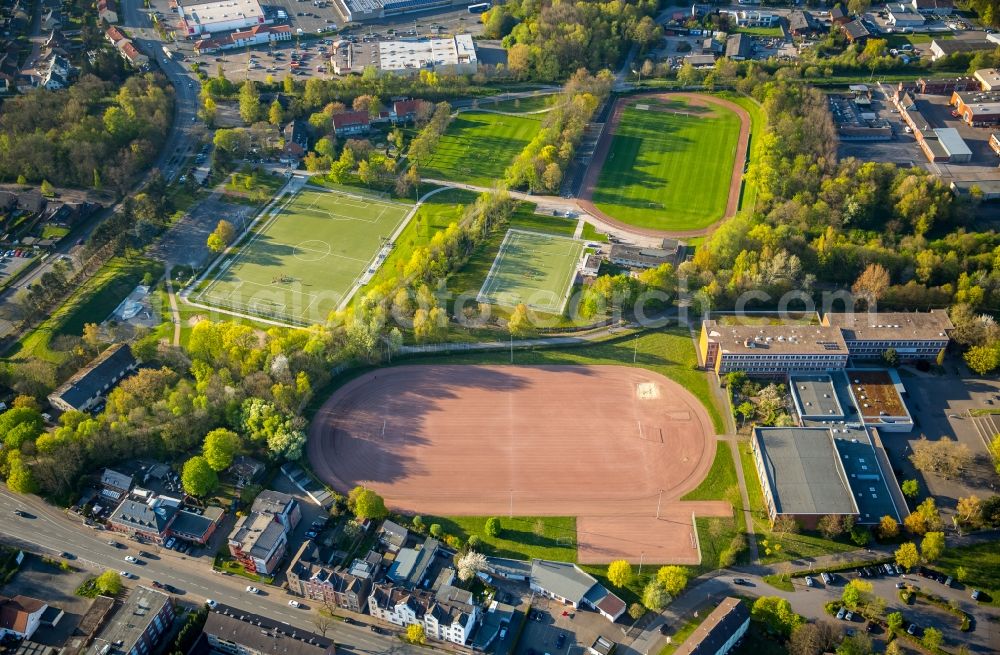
(840, 613)
(130, 559)
(975, 594)
(743, 582)
(912, 629)
(170, 543)
(253, 590)
(115, 544)
(211, 604)
(293, 603)
(948, 581)
(125, 574)
(810, 582)
(827, 578)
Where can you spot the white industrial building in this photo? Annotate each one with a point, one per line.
(953, 144)
(452, 55)
(220, 16)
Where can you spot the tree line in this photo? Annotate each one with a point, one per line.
(89, 135)
(542, 163)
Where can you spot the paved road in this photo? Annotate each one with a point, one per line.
(54, 530)
(181, 142)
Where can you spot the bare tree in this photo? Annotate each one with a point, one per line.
(945, 457)
(323, 622)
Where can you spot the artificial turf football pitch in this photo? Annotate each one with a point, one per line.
(478, 147)
(669, 170)
(306, 256)
(534, 269)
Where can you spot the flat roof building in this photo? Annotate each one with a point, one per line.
(953, 143)
(977, 108)
(815, 397)
(801, 474)
(738, 47)
(989, 79)
(138, 625)
(913, 335)
(198, 18)
(773, 350)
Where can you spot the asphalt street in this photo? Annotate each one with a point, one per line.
(53, 531)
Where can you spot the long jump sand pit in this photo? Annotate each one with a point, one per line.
(595, 442)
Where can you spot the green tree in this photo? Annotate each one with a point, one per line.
(519, 323)
(109, 583)
(776, 614)
(436, 530)
(249, 102)
(911, 488)
(894, 621)
(890, 358)
(367, 504)
(493, 528)
(197, 477)
(655, 596)
(219, 448)
(635, 610)
(983, 359)
(856, 593)
(619, 573)
(745, 410)
(932, 639)
(888, 527)
(275, 113)
(932, 547)
(907, 555)
(673, 578)
(47, 189)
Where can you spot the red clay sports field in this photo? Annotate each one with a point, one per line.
(595, 442)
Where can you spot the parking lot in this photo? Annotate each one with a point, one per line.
(39, 580)
(556, 629)
(13, 261)
(320, 23)
(939, 405)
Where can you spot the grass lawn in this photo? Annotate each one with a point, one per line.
(532, 268)
(521, 105)
(479, 146)
(50, 231)
(669, 170)
(668, 351)
(760, 31)
(91, 303)
(590, 233)
(246, 185)
(896, 40)
(982, 566)
(791, 546)
(307, 256)
(435, 214)
(522, 537)
(679, 634)
(721, 477)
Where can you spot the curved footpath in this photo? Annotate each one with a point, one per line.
(603, 147)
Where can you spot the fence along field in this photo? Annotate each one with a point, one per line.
(308, 256)
(532, 268)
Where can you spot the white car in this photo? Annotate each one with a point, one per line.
(126, 575)
(211, 603)
(130, 559)
(252, 590)
(293, 603)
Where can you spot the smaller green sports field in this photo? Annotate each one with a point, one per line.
(307, 256)
(532, 268)
(670, 165)
(478, 146)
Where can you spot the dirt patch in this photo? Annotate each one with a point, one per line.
(654, 101)
(607, 444)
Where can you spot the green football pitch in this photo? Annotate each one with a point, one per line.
(669, 170)
(308, 254)
(478, 147)
(532, 268)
